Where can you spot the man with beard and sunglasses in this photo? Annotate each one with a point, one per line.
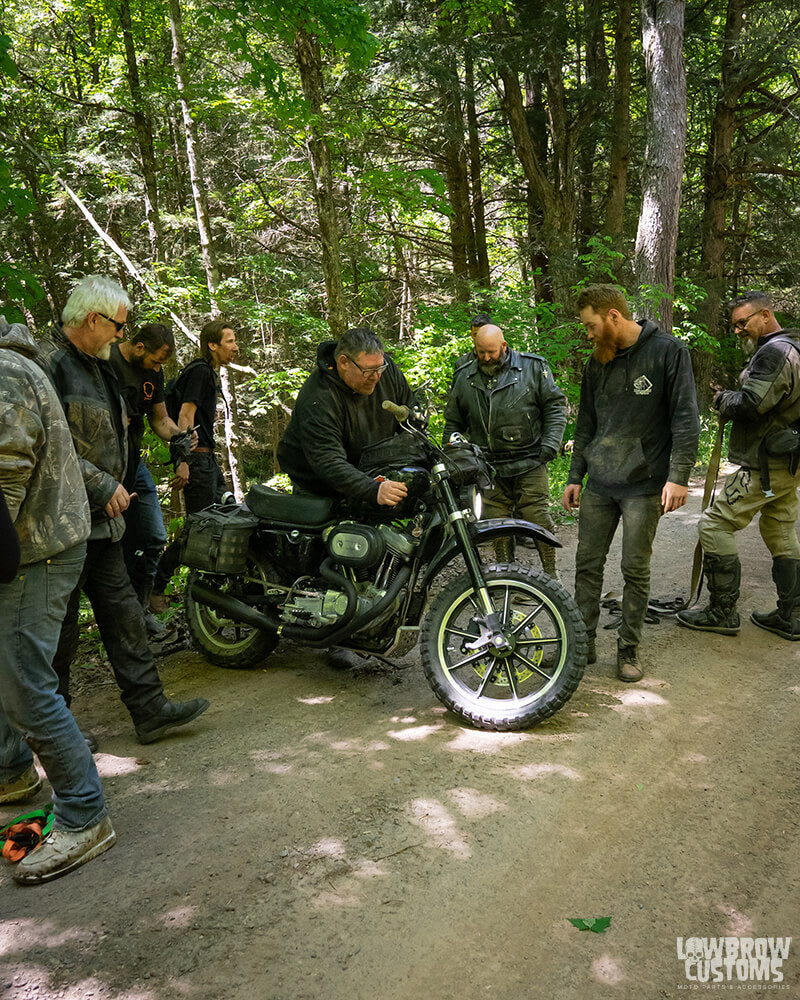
(765, 444)
(636, 441)
(507, 402)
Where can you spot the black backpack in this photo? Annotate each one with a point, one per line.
(173, 390)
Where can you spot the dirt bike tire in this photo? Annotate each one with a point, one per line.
(225, 643)
(529, 684)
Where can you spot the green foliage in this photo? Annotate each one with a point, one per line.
(273, 390)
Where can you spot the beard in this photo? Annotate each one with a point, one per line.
(104, 353)
(749, 345)
(605, 346)
(490, 367)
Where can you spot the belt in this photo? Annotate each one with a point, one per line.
(202, 451)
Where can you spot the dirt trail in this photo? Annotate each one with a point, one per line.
(320, 836)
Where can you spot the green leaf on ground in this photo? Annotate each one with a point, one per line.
(596, 924)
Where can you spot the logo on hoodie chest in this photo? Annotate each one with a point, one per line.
(642, 386)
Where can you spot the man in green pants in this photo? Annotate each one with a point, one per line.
(764, 445)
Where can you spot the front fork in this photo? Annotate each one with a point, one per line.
(493, 628)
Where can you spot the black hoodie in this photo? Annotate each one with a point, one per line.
(638, 422)
(331, 425)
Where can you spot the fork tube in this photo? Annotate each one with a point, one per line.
(457, 518)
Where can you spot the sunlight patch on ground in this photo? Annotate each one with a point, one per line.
(348, 892)
(606, 969)
(328, 847)
(696, 758)
(416, 733)
(793, 690)
(322, 699)
(109, 766)
(19, 935)
(480, 741)
(437, 823)
(474, 804)
(221, 778)
(160, 786)
(535, 772)
(180, 917)
(739, 924)
(639, 697)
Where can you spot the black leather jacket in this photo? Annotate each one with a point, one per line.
(518, 417)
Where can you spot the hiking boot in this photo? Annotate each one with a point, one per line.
(628, 668)
(63, 851)
(170, 715)
(591, 650)
(547, 556)
(723, 574)
(159, 603)
(91, 741)
(21, 788)
(786, 628)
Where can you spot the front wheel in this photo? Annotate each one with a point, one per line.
(223, 641)
(538, 669)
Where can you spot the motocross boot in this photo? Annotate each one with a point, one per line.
(547, 555)
(783, 621)
(504, 549)
(723, 575)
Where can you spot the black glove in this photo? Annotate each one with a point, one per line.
(180, 448)
(547, 455)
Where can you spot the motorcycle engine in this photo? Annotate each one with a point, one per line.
(324, 606)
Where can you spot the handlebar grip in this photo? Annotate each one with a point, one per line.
(400, 413)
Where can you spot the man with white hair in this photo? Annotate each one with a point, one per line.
(75, 355)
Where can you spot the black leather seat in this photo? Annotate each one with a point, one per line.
(287, 508)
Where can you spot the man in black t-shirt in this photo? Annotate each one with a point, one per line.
(194, 406)
(137, 362)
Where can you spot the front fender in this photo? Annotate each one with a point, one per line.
(487, 531)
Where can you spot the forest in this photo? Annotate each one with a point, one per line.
(302, 168)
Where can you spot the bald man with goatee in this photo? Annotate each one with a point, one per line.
(507, 402)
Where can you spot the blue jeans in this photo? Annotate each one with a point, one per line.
(33, 716)
(145, 535)
(598, 519)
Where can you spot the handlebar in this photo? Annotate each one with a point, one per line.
(400, 413)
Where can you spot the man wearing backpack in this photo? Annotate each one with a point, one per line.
(763, 443)
(192, 403)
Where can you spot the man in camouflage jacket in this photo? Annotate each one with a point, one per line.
(43, 486)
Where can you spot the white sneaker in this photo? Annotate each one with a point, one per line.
(63, 851)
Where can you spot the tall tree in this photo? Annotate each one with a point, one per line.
(657, 236)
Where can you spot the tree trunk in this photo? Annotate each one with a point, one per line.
(620, 124)
(657, 237)
(204, 230)
(483, 276)
(309, 63)
(455, 163)
(143, 127)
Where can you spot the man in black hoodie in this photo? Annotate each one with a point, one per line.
(338, 413)
(636, 440)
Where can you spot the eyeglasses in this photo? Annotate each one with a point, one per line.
(740, 324)
(368, 371)
(120, 326)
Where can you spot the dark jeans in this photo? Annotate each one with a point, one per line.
(597, 524)
(145, 535)
(206, 485)
(120, 619)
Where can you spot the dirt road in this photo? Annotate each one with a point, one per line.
(320, 836)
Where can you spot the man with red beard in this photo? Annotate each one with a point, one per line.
(636, 440)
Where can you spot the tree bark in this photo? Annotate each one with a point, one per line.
(143, 128)
(483, 275)
(657, 237)
(204, 230)
(620, 124)
(309, 63)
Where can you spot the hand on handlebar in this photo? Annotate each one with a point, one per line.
(391, 493)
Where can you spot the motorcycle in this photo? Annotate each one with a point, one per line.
(503, 646)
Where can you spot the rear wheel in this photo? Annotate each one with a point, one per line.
(223, 641)
(525, 682)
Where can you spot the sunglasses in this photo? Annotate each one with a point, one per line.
(119, 326)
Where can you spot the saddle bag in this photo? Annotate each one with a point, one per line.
(217, 539)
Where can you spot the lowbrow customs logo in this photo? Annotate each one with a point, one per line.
(734, 960)
(642, 386)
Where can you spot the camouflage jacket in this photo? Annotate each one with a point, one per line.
(39, 471)
(768, 399)
(97, 419)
